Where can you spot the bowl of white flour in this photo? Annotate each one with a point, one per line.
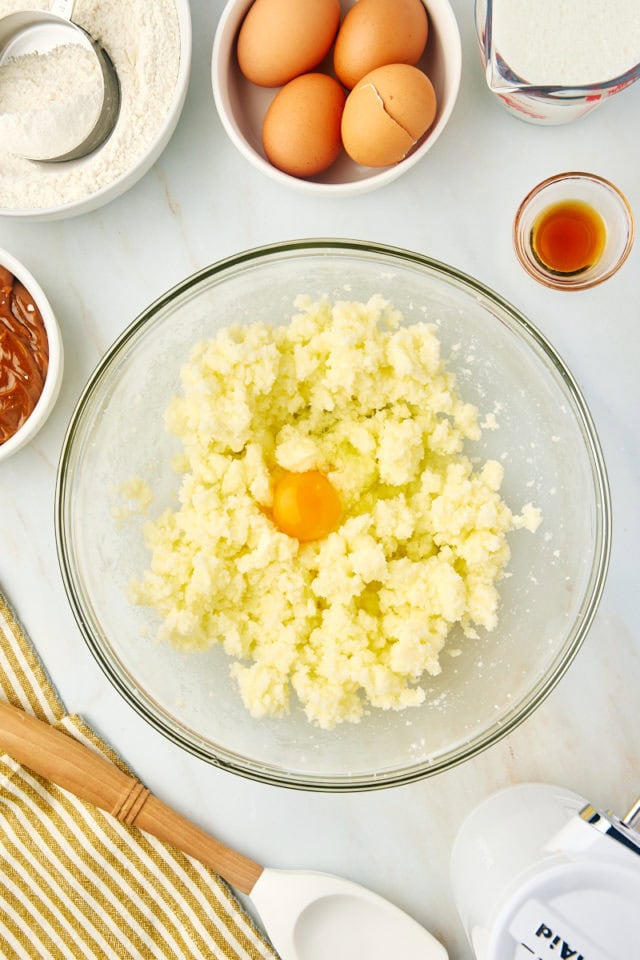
(150, 47)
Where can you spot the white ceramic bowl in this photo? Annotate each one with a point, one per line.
(145, 160)
(53, 380)
(242, 105)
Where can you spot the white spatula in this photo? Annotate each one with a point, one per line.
(307, 915)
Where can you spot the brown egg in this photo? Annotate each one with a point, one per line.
(386, 113)
(377, 32)
(281, 39)
(301, 129)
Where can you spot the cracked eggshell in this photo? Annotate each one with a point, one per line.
(386, 114)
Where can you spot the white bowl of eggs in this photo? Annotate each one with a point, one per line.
(335, 96)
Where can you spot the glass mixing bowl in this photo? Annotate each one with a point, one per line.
(545, 438)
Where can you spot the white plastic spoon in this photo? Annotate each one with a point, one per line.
(307, 915)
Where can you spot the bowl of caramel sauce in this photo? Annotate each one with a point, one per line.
(31, 356)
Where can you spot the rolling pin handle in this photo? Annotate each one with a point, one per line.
(131, 804)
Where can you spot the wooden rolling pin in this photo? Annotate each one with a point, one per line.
(74, 767)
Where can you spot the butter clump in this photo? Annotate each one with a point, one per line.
(354, 620)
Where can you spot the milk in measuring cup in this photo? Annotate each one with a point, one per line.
(550, 61)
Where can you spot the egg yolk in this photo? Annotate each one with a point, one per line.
(306, 505)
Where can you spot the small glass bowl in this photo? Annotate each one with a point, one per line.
(605, 199)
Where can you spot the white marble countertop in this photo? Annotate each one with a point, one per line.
(201, 202)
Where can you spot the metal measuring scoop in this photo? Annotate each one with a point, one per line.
(37, 31)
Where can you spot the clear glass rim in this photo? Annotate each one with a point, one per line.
(570, 283)
(556, 91)
(226, 760)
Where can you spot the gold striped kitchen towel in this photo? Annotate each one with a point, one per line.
(77, 883)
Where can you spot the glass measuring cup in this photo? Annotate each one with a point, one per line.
(542, 103)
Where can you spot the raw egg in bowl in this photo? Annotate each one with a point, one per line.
(308, 113)
(260, 429)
